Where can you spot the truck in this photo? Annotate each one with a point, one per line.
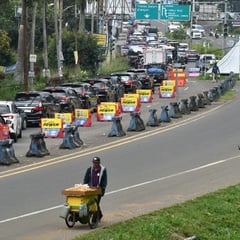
(154, 55)
(155, 63)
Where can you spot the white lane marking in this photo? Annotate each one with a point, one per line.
(129, 187)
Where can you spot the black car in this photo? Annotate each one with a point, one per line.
(192, 55)
(37, 105)
(68, 98)
(86, 93)
(104, 90)
(117, 84)
(129, 80)
(158, 72)
(142, 75)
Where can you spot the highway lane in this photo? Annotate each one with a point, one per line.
(165, 165)
(98, 132)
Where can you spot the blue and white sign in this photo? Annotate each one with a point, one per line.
(175, 12)
(147, 11)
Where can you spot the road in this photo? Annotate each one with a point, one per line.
(147, 170)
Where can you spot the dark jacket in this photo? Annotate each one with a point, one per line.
(215, 69)
(102, 178)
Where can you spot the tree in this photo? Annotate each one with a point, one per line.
(5, 49)
(87, 48)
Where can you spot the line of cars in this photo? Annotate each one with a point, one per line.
(27, 108)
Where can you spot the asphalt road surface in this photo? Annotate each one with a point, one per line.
(147, 170)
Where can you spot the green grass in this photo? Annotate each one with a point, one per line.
(213, 216)
(228, 95)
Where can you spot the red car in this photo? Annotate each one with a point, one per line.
(4, 129)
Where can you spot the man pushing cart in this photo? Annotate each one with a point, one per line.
(83, 201)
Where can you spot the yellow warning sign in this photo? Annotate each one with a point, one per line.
(144, 92)
(131, 95)
(129, 101)
(67, 117)
(101, 39)
(104, 108)
(51, 123)
(82, 113)
(169, 83)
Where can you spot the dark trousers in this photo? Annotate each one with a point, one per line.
(99, 209)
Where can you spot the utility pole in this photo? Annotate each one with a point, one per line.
(191, 19)
(76, 34)
(224, 26)
(25, 71)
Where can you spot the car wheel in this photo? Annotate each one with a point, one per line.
(20, 133)
(24, 124)
(14, 137)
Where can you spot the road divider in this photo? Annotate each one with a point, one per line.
(7, 153)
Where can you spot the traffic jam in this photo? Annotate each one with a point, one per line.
(150, 56)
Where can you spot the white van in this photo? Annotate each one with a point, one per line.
(196, 34)
(183, 47)
(205, 61)
(200, 28)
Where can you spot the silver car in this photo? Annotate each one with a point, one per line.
(12, 116)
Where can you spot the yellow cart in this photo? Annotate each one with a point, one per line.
(81, 205)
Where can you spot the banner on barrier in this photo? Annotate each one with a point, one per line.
(131, 95)
(130, 104)
(106, 111)
(169, 83)
(66, 117)
(116, 104)
(83, 117)
(167, 92)
(52, 127)
(145, 95)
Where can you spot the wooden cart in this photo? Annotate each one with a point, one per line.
(81, 205)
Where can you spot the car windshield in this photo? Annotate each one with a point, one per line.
(27, 97)
(125, 78)
(100, 85)
(59, 94)
(4, 109)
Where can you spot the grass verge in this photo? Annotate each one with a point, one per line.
(209, 217)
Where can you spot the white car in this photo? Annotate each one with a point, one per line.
(12, 116)
(174, 26)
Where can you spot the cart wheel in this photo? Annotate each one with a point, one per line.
(93, 219)
(70, 219)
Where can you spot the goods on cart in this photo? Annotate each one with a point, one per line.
(81, 205)
(81, 190)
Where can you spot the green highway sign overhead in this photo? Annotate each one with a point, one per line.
(169, 12)
(147, 11)
(175, 12)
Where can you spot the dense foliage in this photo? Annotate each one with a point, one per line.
(5, 50)
(11, 18)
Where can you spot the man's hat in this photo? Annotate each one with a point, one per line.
(96, 159)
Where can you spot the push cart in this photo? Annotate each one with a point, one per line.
(81, 205)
